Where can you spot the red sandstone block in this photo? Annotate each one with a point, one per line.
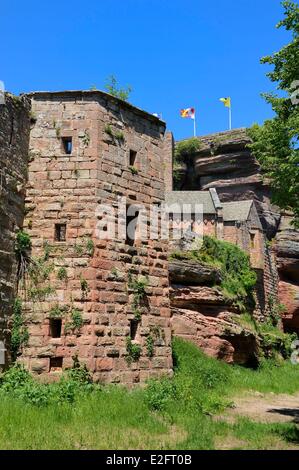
(104, 364)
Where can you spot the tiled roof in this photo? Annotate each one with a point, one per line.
(236, 211)
(193, 198)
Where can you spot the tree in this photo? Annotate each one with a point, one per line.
(114, 90)
(276, 143)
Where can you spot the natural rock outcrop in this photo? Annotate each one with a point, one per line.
(224, 162)
(190, 273)
(203, 316)
(287, 252)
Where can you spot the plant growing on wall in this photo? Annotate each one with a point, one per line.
(19, 332)
(133, 351)
(62, 274)
(75, 322)
(113, 88)
(138, 286)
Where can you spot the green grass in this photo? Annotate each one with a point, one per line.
(169, 414)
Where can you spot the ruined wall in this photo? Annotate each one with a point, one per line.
(67, 189)
(14, 142)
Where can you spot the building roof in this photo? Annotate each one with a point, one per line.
(236, 211)
(79, 94)
(193, 198)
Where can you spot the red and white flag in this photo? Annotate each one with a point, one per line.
(188, 113)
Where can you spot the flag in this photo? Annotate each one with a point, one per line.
(226, 102)
(188, 113)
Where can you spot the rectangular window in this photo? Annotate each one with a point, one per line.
(133, 329)
(55, 364)
(60, 232)
(131, 224)
(252, 240)
(67, 145)
(55, 327)
(133, 157)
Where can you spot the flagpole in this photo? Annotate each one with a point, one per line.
(230, 116)
(194, 126)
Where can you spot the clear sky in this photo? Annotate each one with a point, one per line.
(174, 53)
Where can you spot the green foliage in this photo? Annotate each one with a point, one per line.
(90, 246)
(133, 350)
(19, 332)
(116, 136)
(150, 346)
(119, 135)
(276, 310)
(18, 382)
(238, 279)
(275, 144)
(133, 170)
(59, 311)
(185, 149)
(76, 321)
(114, 89)
(73, 413)
(138, 286)
(108, 129)
(84, 286)
(79, 373)
(78, 249)
(86, 139)
(159, 394)
(23, 243)
(62, 274)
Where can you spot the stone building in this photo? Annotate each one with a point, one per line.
(236, 222)
(104, 300)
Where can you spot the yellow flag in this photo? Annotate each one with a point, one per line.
(226, 102)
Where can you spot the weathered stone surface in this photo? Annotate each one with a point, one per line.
(224, 162)
(221, 337)
(192, 273)
(68, 188)
(14, 144)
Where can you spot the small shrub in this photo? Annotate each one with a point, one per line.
(23, 243)
(90, 246)
(62, 274)
(150, 346)
(79, 373)
(76, 321)
(133, 170)
(19, 332)
(133, 350)
(186, 148)
(159, 393)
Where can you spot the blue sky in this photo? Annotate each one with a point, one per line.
(174, 53)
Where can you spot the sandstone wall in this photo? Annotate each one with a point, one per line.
(14, 142)
(67, 189)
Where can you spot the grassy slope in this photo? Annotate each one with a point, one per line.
(169, 415)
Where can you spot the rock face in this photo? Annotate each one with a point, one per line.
(14, 144)
(203, 316)
(287, 252)
(225, 162)
(192, 273)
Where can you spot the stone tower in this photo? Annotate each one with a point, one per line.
(103, 300)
